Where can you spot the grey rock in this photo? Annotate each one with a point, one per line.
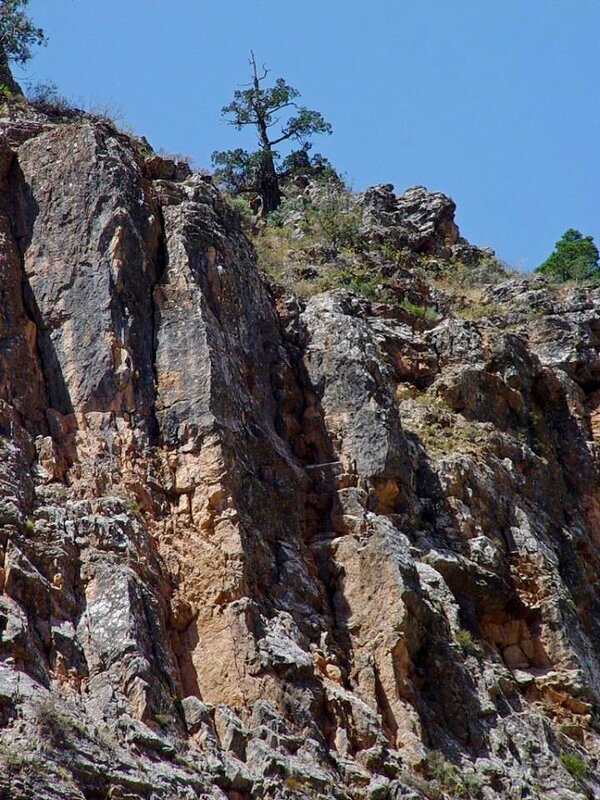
(196, 714)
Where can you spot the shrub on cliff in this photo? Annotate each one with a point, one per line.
(46, 97)
(575, 258)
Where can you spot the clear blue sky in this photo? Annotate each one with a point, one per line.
(495, 102)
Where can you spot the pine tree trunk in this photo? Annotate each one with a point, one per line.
(269, 186)
(268, 180)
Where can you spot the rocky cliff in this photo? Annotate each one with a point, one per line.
(259, 546)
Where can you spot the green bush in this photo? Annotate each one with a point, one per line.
(366, 286)
(294, 206)
(335, 217)
(574, 764)
(6, 93)
(299, 164)
(575, 257)
(429, 313)
(242, 208)
(133, 506)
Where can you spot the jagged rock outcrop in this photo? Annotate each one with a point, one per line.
(419, 221)
(257, 547)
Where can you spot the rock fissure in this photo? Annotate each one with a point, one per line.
(253, 546)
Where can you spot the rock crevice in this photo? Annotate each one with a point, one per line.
(253, 546)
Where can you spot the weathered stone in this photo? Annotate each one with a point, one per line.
(254, 546)
(420, 220)
(196, 714)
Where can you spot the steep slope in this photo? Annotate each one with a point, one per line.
(260, 547)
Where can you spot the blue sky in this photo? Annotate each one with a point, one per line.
(495, 102)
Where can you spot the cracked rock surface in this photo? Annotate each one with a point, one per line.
(256, 547)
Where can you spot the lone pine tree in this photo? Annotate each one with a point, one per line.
(278, 119)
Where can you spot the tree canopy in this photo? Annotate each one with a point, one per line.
(278, 120)
(18, 34)
(575, 257)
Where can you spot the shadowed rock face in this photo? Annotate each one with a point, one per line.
(258, 548)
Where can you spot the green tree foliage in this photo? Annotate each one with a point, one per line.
(278, 120)
(299, 162)
(575, 257)
(18, 34)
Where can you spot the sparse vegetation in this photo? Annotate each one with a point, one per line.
(312, 243)
(458, 275)
(133, 506)
(464, 639)
(476, 310)
(449, 779)
(108, 113)
(316, 240)
(401, 257)
(440, 430)
(164, 720)
(575, 765)
(335, 217)
(426, 788)
(329, 214)
(182, 158)
(428, 313)
(19, 758)
(46, 98)
(56, 727)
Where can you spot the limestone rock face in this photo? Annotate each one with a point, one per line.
(256, 547)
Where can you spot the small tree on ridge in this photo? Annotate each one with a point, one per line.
(265, 110)
(575, 257)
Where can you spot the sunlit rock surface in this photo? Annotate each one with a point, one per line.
(256, 547)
